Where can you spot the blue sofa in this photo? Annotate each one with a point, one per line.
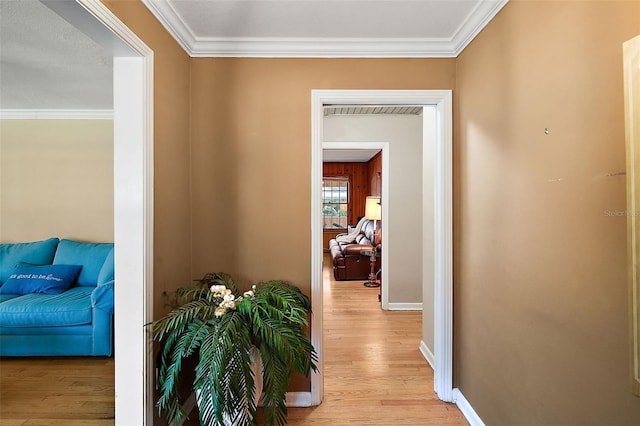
(56, 298)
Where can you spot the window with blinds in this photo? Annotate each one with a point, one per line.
(335, 202)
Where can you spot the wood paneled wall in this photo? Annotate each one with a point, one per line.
(364, 179)
(358, 185)
(375, 175)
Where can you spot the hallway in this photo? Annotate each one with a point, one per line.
(374, 371)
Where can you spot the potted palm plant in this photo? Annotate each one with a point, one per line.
(212, 321)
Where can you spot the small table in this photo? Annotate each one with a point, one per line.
(372, 253)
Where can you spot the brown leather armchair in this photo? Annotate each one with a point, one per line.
(346, 253)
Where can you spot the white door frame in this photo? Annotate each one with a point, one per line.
(443, 239)
(133, 202)
(384, 147)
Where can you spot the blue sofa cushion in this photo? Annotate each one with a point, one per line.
(73, 307)
(37, 253)
(102, 297)
(48, 279)
(107, 272)
(90, 255)
(4, 297)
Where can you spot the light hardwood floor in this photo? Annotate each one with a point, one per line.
(56, 391)
(374, 371)
(374, 374)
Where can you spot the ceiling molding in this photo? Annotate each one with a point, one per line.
(322, 48)
(296, 47)
(56, 114)
(172, 22)
(481, 15)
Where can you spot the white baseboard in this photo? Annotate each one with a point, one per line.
(467, 410)
(427, 354)
(404, 306)
(299, 399)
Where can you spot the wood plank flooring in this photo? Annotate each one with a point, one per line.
(374, 371)
(57, 391)
(374, 374)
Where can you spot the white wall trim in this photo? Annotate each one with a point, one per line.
(479, 18)
(133, 256)
(443, 248)
(317, 118)
(299, 399)
(427, 354)
(405, 306)
(308, 47)
(467, 410)
(56, 114)
(133, 202)
(112, 35)
(443, 240)
(172, 22)
(268, 47)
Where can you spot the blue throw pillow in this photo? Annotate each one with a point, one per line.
(37, 253)
(48, 279)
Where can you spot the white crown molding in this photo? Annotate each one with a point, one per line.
(266, 47)
(467, 410)
(56, 114)
(269, 47)
(479, 17)
(173, 23)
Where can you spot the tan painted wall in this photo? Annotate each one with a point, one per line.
(251, 155)
(172, 214)
(56, 180)
(540, 264)
(404, 224)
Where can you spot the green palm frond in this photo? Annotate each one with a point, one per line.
(273, 319)
(225, 361)
(179, 345)
(276, 378)
(178, 319)
(218, 278)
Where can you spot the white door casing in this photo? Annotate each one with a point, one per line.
(133, 202)
(442, 221)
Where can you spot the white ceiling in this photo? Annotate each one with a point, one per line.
(348, 155)
(324, 28)
(46, 63)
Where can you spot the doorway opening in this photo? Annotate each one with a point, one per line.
(348, 149)
(439, 219)
(133, 201)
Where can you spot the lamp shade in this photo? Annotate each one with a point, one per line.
(373, 209)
